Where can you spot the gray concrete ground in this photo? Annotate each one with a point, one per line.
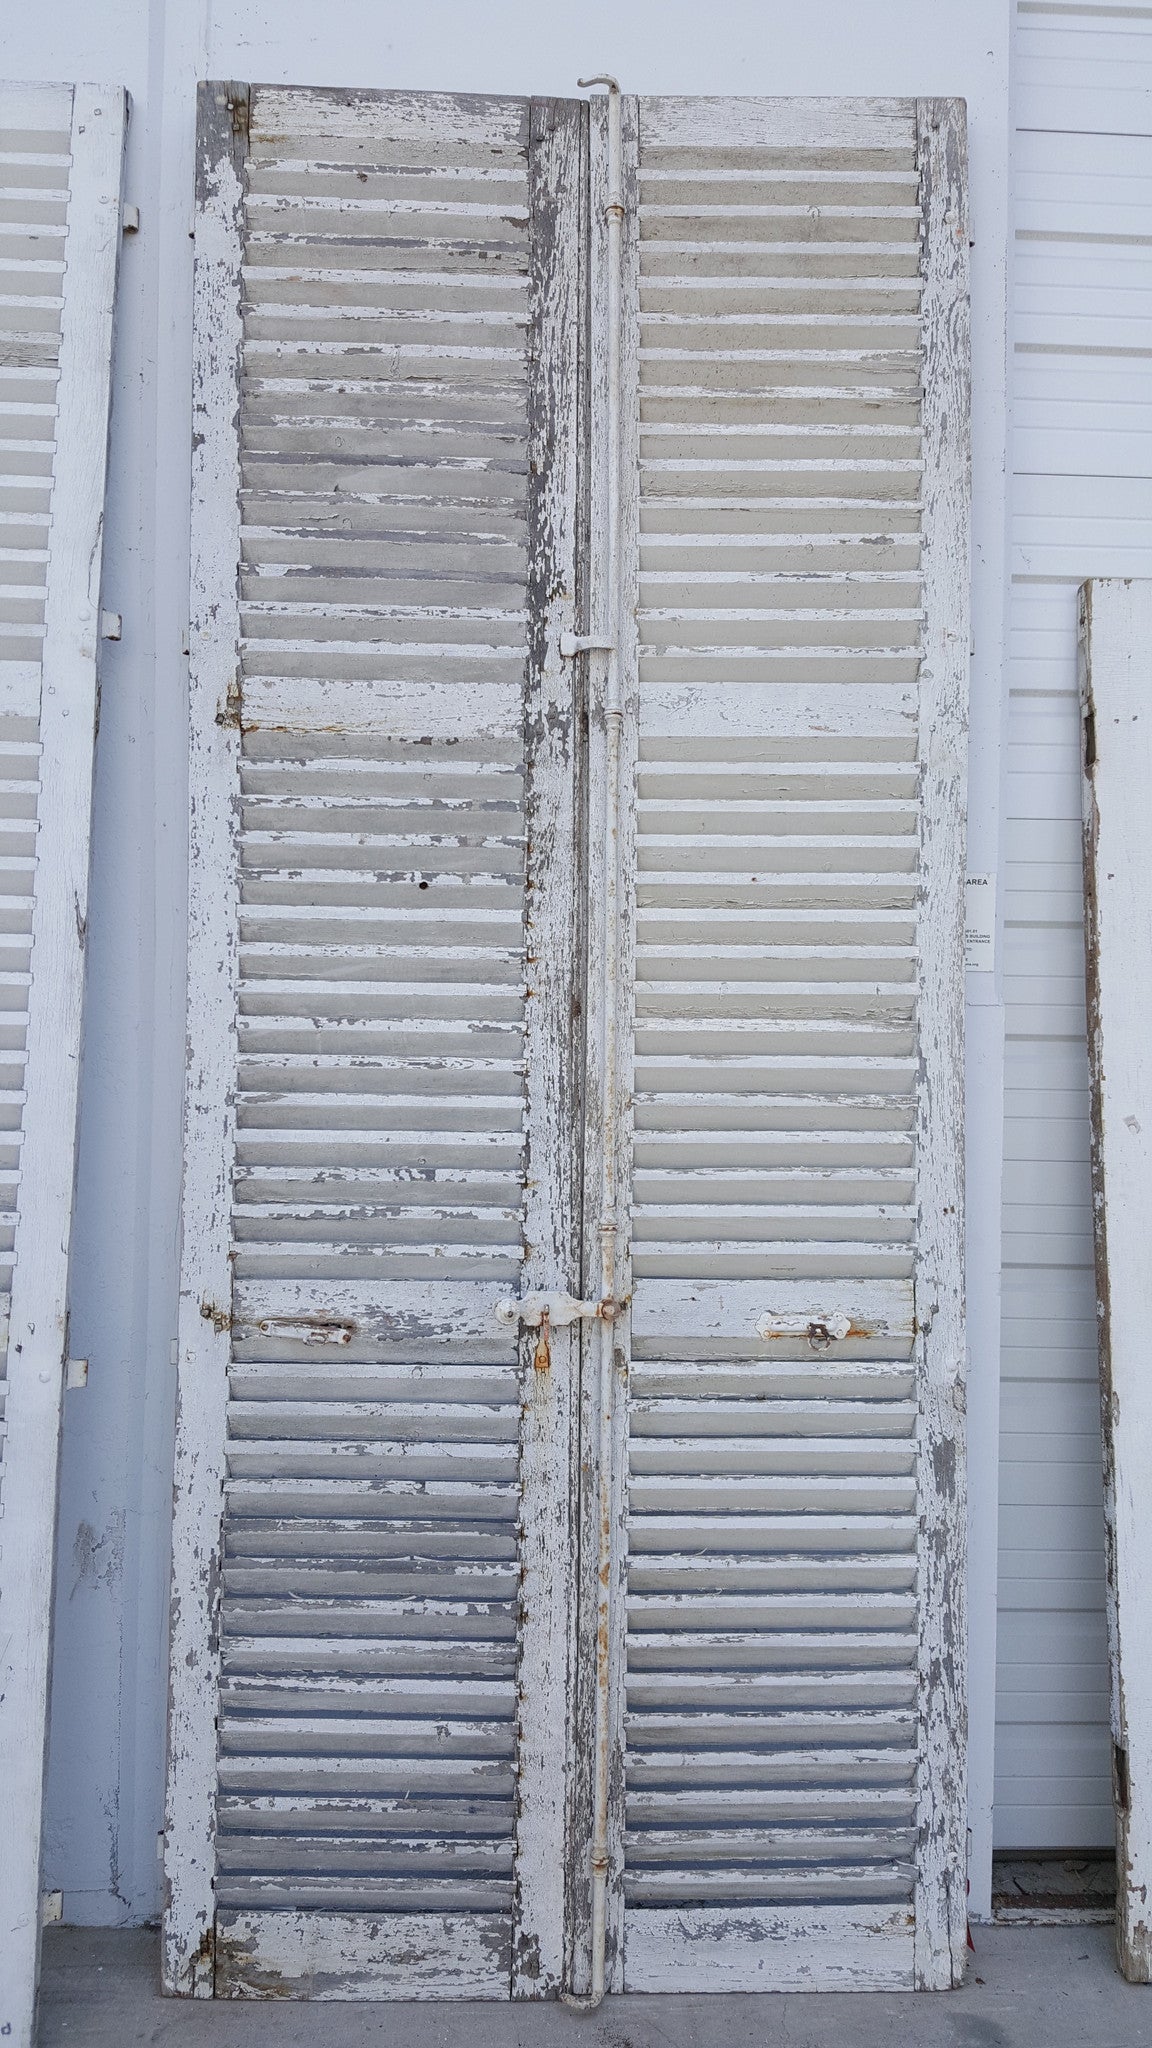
(1042, 1987)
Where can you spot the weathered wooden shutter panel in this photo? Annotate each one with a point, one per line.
(788, 1681)
(370, 1654)
(1115, 635)
(60, 165)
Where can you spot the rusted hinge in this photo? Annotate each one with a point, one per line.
(229, 712)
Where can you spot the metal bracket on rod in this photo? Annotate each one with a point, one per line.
(555, 1309)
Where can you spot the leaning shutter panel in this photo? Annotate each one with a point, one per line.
(793, 1656)
(1115, 620)
(357, 1782)
(60, 161)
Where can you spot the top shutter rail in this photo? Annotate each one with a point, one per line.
(61, 149)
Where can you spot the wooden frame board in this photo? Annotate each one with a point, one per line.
(66, 687)
(1116, 699)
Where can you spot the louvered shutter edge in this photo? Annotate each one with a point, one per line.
(549, 1452)
(597, 1542)
(1115, 632)
(38, 1313)
(940, 1897)
(204, 1328)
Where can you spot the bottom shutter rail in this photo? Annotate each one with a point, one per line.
(333, 1955)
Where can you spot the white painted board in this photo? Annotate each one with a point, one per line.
(1116, 697)
(56, 306)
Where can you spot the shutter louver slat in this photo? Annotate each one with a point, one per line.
(60, 164)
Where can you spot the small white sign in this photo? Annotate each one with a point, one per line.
(980, 923)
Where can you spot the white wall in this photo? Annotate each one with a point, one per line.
(108, 1702)
(1081, 385)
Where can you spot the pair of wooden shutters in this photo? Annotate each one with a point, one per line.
(61, 149)
(501, 1647)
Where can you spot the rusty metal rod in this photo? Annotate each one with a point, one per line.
(609, 1069)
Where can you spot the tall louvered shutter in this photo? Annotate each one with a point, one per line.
(60, 157)
(789, 1412)
(370, 1632)
(496, 1655)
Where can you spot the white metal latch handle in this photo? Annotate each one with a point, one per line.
(820, 1330)
(531, 1309)
(584, 643)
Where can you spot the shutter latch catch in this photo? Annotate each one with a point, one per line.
(820, 1330)
(558, 1309)
(584, 643)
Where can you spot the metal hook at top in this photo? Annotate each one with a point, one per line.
(614, 209)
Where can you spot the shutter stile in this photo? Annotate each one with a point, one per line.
(377, 1556)
(61, 149)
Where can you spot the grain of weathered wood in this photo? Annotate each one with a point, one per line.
(204, 1336)
(1116, 692)
(95, 119)
(941, 1881)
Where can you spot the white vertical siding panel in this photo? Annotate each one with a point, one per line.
(1081, 393)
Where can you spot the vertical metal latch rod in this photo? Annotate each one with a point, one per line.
(609, 555)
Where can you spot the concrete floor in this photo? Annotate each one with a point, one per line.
(1042, 1987)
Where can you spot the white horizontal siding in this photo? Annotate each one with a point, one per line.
(1081, 397)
